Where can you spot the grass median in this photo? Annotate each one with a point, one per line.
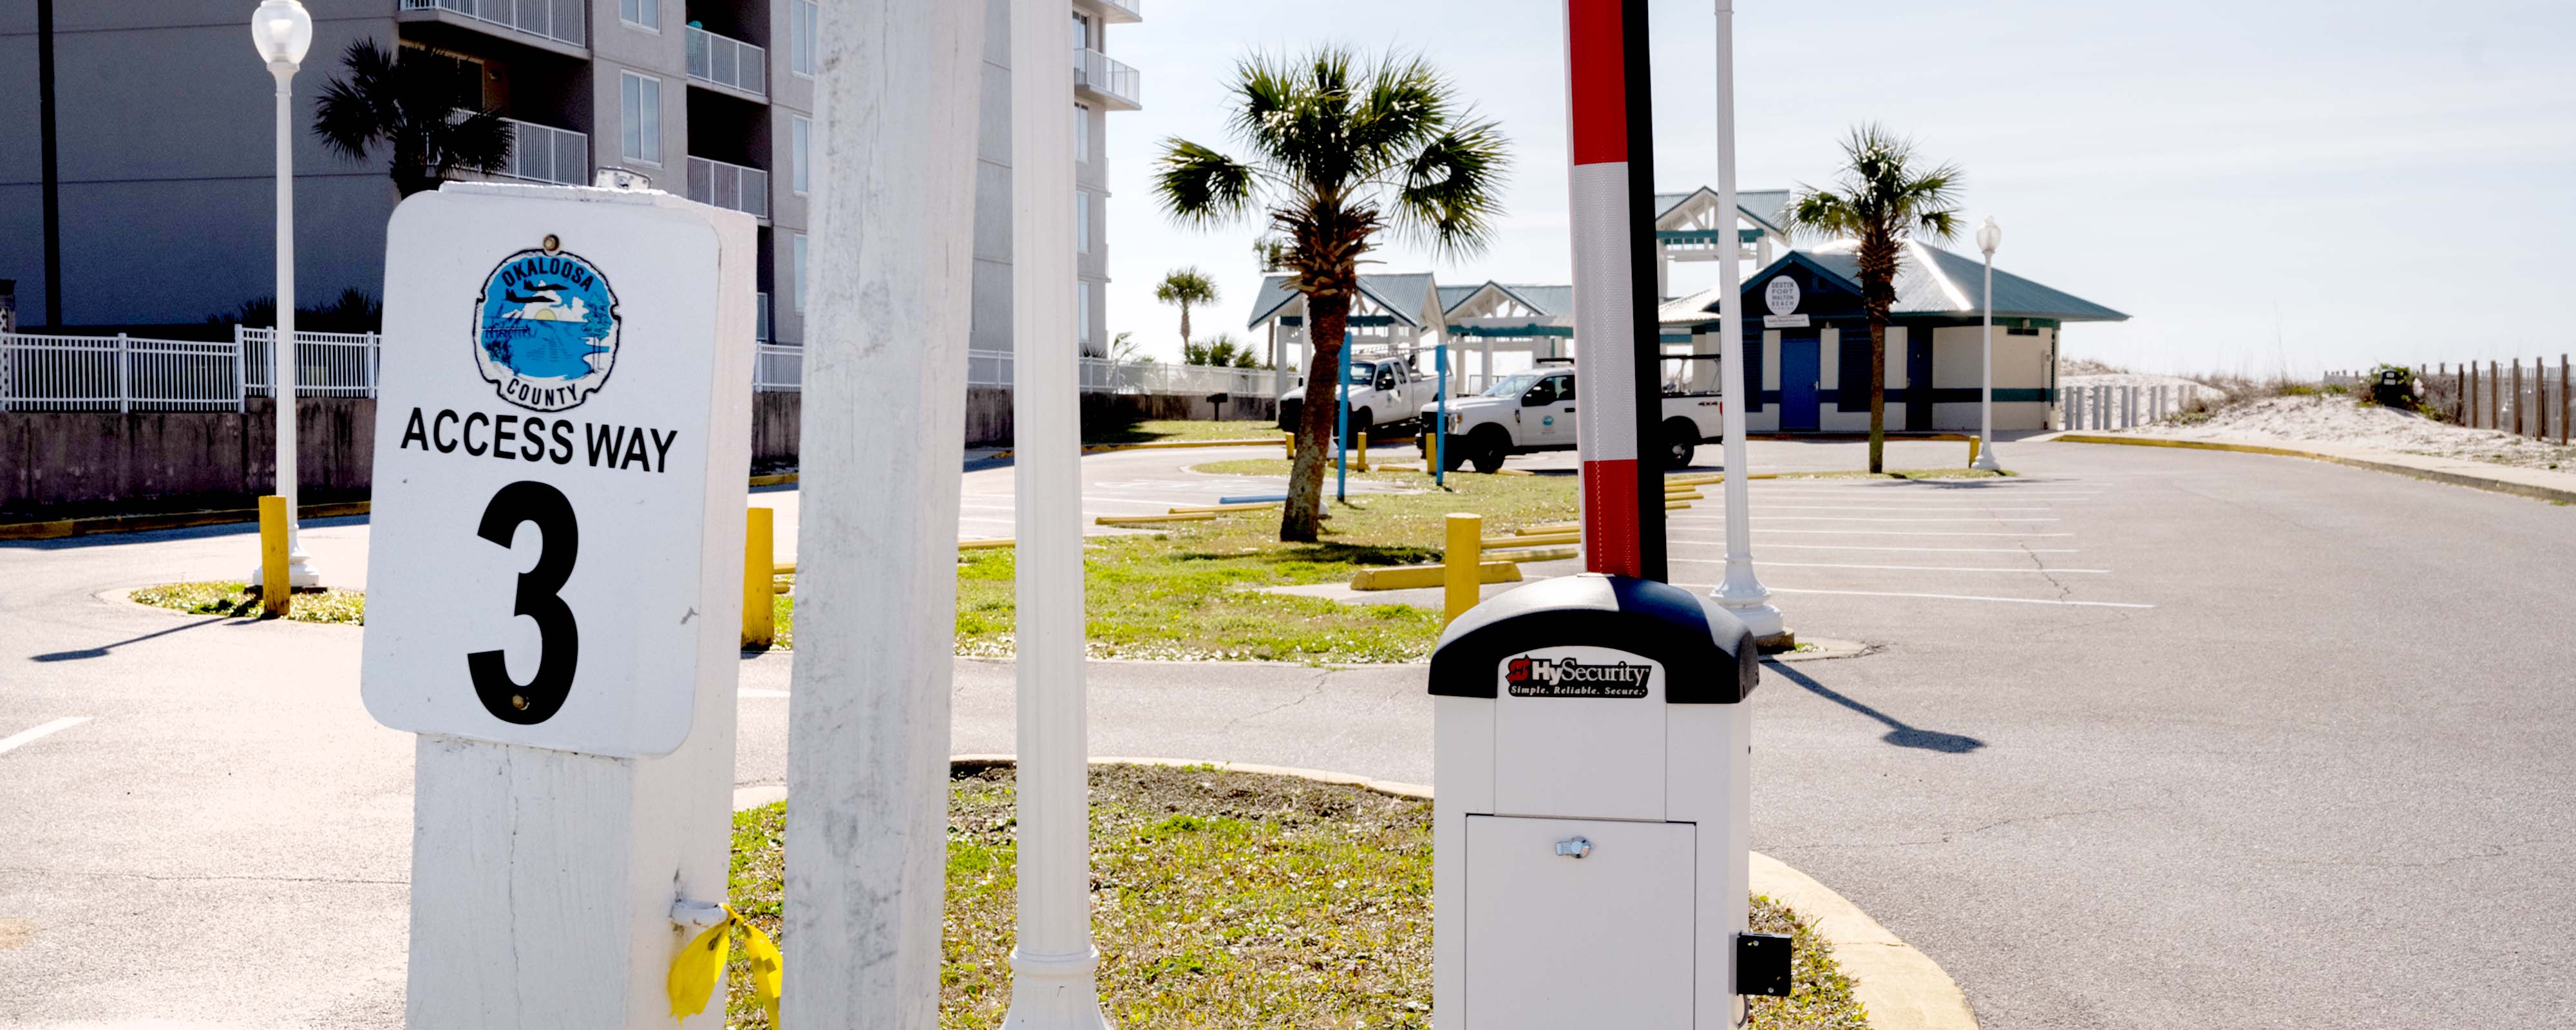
(1155, 430)
(1196, 590)
(1219, 900)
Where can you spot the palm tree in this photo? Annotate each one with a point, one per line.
(1223, 352)
(411, 102)
(1341, 149)
(1881, 201)
(1185, 287)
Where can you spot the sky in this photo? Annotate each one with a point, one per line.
(2264, 186)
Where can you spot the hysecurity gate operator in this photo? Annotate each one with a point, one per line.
(1591, 755)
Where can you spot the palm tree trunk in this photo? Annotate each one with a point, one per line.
(1327, 316)
(1185, 327)
(1877, 395)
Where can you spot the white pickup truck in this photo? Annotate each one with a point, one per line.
(1382, 392)
(1534, 411)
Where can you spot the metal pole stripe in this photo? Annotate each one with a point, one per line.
(1619, 387)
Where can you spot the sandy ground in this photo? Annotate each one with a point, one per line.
(2336, 418)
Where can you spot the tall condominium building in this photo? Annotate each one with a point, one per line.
(161, 116)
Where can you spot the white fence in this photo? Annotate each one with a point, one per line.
(1101, 375)
(2106, 406)
(131, 373)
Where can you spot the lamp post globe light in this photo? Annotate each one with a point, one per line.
(282, 31)
(1989, 236)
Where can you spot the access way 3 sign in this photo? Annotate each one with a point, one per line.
(561, 438)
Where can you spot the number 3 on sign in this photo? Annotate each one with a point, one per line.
(558, 634)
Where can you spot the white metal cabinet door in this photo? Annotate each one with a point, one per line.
(1600, 941)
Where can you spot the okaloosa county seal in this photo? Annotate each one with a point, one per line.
(546, 328)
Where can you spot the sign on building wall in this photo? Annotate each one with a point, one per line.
(561, 440)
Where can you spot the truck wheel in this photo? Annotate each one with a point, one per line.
(1681, 443)
(1453, 452)
(1487, 448)
(1288, 410)
(1360, 420)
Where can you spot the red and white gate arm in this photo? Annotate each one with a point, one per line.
(1617, 379)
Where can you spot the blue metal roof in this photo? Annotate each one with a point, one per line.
(1405, 295)
(1931, 281)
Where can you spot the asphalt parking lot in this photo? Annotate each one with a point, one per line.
(2148, 738)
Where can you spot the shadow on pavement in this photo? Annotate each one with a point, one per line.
(102, 650)
(1898, 733)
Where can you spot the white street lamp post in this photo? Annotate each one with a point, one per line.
(282, 32)
(1989, 236)
(1742, 593)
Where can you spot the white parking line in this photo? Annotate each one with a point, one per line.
(1860, 518)
(1924, 507)
(752, 692)
(1940, 597)
(1893, 532)
(31, 736)
(1934, 550)
(1895, 568)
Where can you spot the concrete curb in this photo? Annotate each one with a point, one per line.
(57, 529)
(60, 528)
(2471, 480)
(1899, 987)
(1157, 445)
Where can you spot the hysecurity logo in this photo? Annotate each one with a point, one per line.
(1536, 676)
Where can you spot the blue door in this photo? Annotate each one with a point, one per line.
(1798, 368)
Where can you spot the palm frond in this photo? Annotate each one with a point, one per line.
(478, 142)
(1200, 187)
(1402, 109)
(1452, 190)
(354, 113)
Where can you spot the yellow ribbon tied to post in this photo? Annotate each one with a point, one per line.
(694, 973)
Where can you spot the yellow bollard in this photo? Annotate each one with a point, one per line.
(759, 569)
(275, 594)
(1459, 565)
(1288, 440)
(1431, 452)
(1972, 451)
(1363, 465)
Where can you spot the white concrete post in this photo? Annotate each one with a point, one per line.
(1052, 960)
(884, 431)
(1742, 592)
(549, 855)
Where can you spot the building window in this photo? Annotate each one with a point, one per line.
(1081, 222)
(801, 140)
(802, 25)
(639, 107)
(643, 14)
(1082, 311)
(1082, 133)
(800, 273)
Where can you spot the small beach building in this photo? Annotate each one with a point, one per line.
(1806, 343)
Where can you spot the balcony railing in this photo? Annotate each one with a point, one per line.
(558, 20)
(1107, 76)
(730, 186)
(543, 153)
(728, 62)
